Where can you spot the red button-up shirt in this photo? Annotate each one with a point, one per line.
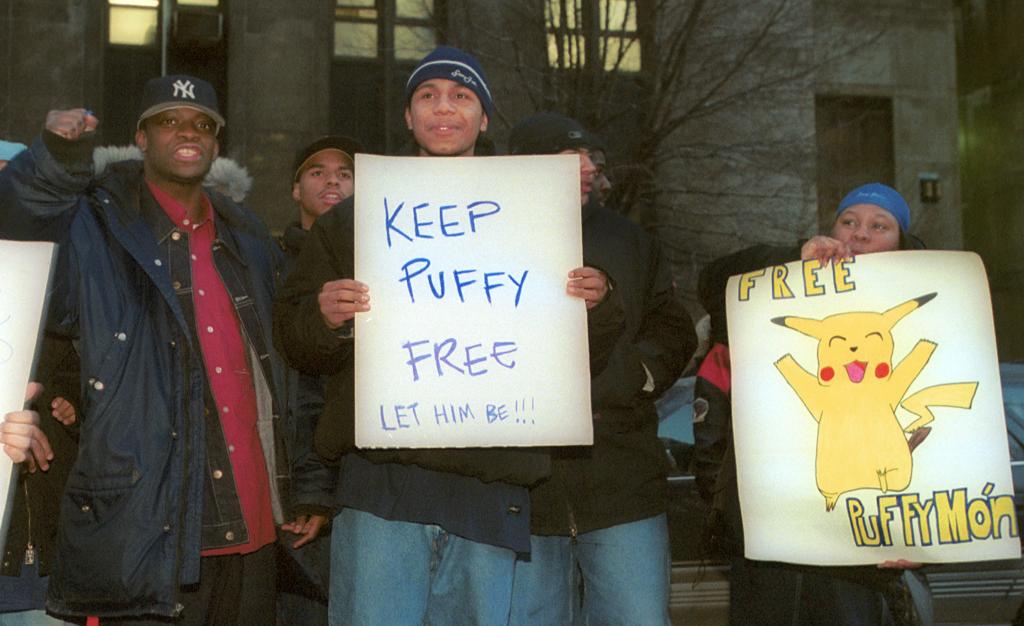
(225, 356)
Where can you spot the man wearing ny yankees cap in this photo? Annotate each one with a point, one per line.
(171, 509)
(421, 536)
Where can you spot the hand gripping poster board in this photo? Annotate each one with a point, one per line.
(471, 339)
(867, 412)
(24, 277)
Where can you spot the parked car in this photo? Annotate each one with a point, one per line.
(989, 592)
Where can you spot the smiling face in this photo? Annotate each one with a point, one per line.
(854, 349)
(867, 228)
(445, 118)
(178, 146)
(326, 180)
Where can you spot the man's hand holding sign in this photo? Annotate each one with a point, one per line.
(340, 300)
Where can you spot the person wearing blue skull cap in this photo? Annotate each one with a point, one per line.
(882, 196)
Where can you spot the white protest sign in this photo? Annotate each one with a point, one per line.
(24, 276)
(867, 412)
(471, 339)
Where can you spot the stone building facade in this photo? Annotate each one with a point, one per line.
(777, 107)
(991, 90)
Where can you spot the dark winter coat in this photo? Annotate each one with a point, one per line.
(487, 482)
(314, 494)
(132, 523)
(622, 477)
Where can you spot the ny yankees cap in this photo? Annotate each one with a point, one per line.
(454, 65)
(171, 92)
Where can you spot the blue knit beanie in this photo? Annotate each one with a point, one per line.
(882, 196)
(454, 65)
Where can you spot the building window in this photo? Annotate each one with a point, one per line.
(355, 29)
(376, 45)
(403, 30)
(593, 33)
(133, 22)
(147, 38)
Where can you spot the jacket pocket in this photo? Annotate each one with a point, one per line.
(96, 499)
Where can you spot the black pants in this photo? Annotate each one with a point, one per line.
(235, 589)
(772, 593)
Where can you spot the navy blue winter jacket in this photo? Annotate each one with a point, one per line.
(132, 517)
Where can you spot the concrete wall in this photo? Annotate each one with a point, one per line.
(911, 59)
(991, 55)
(49, 58)
(739, 169)
(279, 74)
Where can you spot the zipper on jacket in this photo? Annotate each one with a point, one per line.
(30, 549)
(186, 438)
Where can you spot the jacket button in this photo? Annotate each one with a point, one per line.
(167, 528)
(230, 535)
(514, 509)
(176, 284)
(157, 262)
(121, 336)
(98, 385)
(85, 508)
(175, 235)
(174, 434)
(218, 474)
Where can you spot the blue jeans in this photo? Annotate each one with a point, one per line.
(625, 573)
(391, 572)
(30, 618)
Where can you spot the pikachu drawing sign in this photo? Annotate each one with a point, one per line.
(854, 396)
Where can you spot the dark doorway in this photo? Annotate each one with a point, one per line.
(855, 146)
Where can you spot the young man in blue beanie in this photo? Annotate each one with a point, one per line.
(871, 218)
(422, 536)
(599, 522)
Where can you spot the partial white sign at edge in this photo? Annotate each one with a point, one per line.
(25, 276)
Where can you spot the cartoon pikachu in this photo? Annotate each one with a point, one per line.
(853, 397)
